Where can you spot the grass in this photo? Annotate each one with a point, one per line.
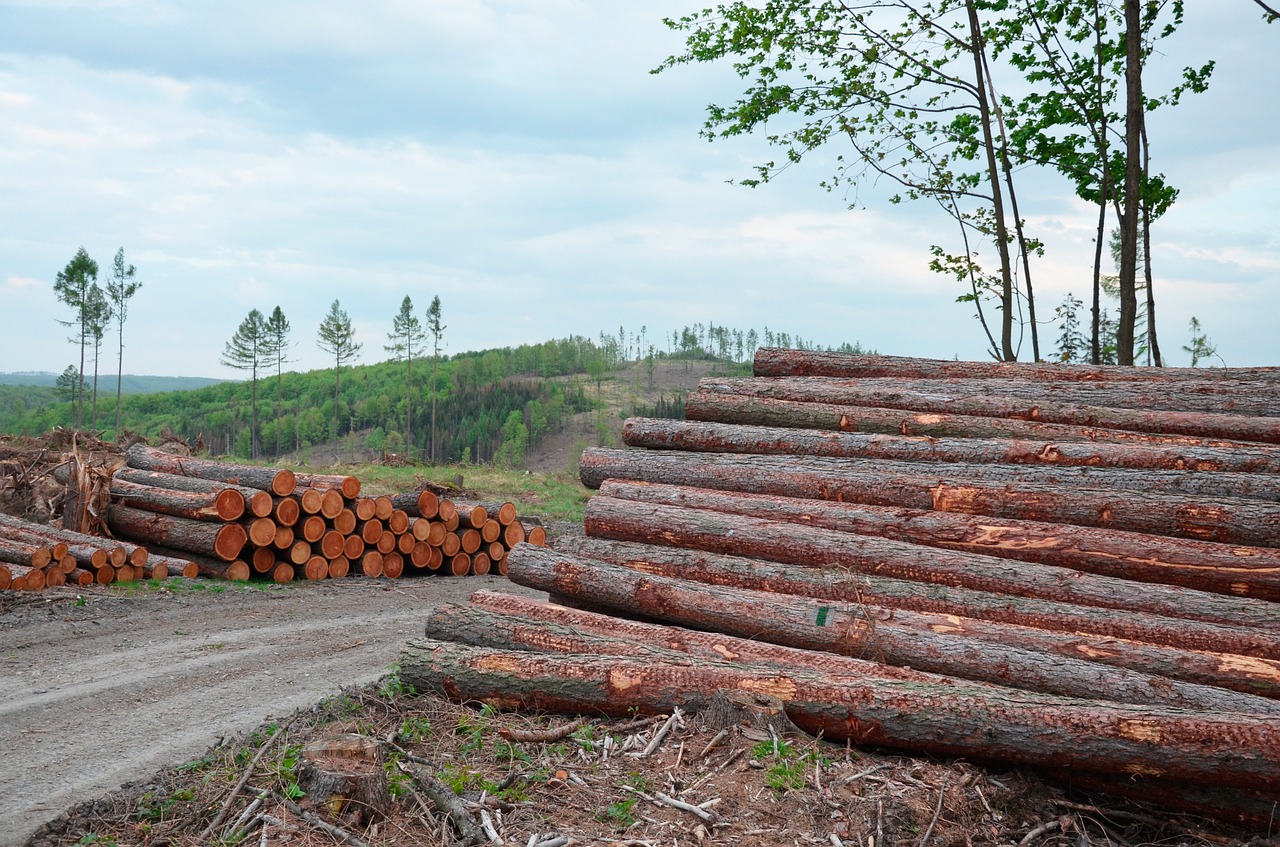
(558, 496)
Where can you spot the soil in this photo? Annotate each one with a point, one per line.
(103, 685)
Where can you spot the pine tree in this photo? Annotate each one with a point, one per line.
(436, 328)
(98, 317)
(121, 286)
(338, 340)
(72, 287)
(277, 349)
(406, 335)
(247, 350)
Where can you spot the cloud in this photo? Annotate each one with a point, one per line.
(18, 282)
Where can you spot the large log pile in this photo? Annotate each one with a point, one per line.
(1073, 568)
(239, 521)
(170, 514)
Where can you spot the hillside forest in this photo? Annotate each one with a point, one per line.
(490, 405)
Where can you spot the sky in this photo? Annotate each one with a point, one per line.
(520, 161)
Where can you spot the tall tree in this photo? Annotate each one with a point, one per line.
(72, 288)
(909, 86)
(98, 310)
(278, 351)
(122, 284)
(436, 327)
(337, 339)
(69, 383)
(406, 336)
(248, 350)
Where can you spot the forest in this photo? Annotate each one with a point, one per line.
(490, 405)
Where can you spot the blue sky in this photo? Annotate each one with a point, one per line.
(520, 161)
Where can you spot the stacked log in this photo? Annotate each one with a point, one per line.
(49, 557)
(1004, 532)
(238, 522)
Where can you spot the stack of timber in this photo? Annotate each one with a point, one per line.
(239, 521)
(35, 556)
(1067, 567)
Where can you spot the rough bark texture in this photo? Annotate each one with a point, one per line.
(349, 486)
(765, 411)
(1203, 565)
(1239, 521)
(1234, 397)
(276, 480)
(776, 361)
(226, 504)
(777, 541)
(1143, 419)
(1055, 663)
(258, 501)
(221, 541)
(343, 775)
(711, 437)
(1236, 750)
(835, 585)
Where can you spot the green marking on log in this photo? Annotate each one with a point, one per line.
(822, 616)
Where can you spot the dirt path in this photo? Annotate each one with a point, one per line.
(93, 696)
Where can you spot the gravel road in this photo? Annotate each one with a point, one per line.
(103, 690)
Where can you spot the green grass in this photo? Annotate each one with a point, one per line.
(557, 496)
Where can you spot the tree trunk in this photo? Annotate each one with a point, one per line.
(763, 411)
(90, 551)
(347, 486)
(221, 541)
(711, 437)
(18, 552)
(814, 547)
(258, 502)
(1249, 522)
(1197, 409)
(279, 481)
(1234, 750)
(1134, 109)
(778, 361)
(835, 585)
(227, 504)
(1203, 565)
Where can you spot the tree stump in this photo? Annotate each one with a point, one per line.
(757, 716)
(343, 775)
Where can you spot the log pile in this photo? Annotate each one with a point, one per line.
(176, 515)
(1073, 568)
(238, 522)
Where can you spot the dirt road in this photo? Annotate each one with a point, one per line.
(101, 691)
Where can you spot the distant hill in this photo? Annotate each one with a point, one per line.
(129, 383)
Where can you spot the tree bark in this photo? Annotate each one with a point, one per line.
(776, 361)
(814, 547)
(259, 503)
(18, 552)
(1153, 420)
(1000, 654)
(764, 411)
(1249, 522)
(279, 481)
(349, 486)
(1203, 565)
(419, 504)
(711, 437)
(1238, 673)
(1235, 750)
(221, 541)
(227, 504)
(89, 551)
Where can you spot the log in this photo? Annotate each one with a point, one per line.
(365, 508)
(353, 548)
(286, 511)
(299, 553)
(383, 507)
(418, 504)
(1232, 521)
(6, 577)
(370, 530)
(279, 481)
(221, 541)
(89, 551)
(316, 568)
(1202, 565)
(26, 578)
(1234, 397)
(284, 538)
(24, 552)
(388, 543)
(480, 564)
(1238, 806)
(513, 534)
(711, 437)
(282, 572)
(206, 566)
(331, 503)
(398, 522)
(835, 585)
(343, 774)
(226, 504)
(947, 720)
(346, 486)
(778, 361)
(471, 515)
(331, 544)
(263, 560)
(345, 521)
(1225, 486)
(310, 500)
(459, 565)
(261, 532)
(313, 528)
(339, 567)
(78, 577)
(999, 654)
(469, 540)
(815, 547)
(405, 542)
(1261, 429)
(393, 565)
(173, 565)
(257, 502)
(371, 563)
(763, 411)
